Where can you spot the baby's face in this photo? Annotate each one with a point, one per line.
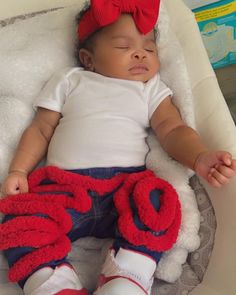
(121, 51)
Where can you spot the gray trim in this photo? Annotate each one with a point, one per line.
(12, 20)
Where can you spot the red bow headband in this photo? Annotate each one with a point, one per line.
(104, 12)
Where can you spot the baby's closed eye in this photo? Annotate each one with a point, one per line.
(122, 47)
(149, 50)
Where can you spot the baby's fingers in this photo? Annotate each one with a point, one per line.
(233, 165)
(225, 170)
(217, 179)
(23, 186)
(9, 190)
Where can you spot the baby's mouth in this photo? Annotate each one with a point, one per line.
(138, 69)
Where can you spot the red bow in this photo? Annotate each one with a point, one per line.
(104, 12)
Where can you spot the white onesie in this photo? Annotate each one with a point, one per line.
(104, 120)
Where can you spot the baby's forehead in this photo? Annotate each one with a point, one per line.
(128, 36)
(132, 39)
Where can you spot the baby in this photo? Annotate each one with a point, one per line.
(92, 124)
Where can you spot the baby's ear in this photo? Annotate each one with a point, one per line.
(86, 59)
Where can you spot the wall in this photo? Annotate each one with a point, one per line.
(227, 81)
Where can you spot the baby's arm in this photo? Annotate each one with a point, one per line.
(31, 149)
(185, 145)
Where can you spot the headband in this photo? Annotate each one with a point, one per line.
(104, 12)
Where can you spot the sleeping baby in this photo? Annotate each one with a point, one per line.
(92, 122)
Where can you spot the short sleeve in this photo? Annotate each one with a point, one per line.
(158, 91)
(54, 93)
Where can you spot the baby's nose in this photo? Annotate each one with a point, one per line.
(139, 54)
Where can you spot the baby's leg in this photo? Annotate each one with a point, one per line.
(56, 277)
(129, 269)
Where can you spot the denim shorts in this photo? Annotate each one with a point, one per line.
(100, 221)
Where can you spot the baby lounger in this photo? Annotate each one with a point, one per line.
(35, 46)
(214, 123)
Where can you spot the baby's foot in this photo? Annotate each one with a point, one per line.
(126, 272)
(59, 281)
(72, 292)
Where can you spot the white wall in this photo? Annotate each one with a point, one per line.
(198, 3)
(9, 8)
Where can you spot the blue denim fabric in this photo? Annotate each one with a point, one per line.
(99, 222)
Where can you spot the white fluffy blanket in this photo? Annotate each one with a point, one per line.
(33, 49)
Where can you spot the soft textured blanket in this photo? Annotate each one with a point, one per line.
(31, 51)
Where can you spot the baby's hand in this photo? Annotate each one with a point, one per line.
(15, 183)
(217, 167)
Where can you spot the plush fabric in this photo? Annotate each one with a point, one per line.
(32, 50)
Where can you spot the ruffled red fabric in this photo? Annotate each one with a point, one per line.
(48, 235)
(167, 220)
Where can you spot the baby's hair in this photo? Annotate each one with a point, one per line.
(89, 43)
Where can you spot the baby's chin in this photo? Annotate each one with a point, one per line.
(131, 77)
(138, 77)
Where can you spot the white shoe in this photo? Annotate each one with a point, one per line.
(59, 281)
(127, 272)
(120, 286)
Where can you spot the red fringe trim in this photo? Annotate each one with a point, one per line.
(167, 219)
(29, 262)
(49, 235)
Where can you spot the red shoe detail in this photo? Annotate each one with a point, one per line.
(103, 280)
(72, 292)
